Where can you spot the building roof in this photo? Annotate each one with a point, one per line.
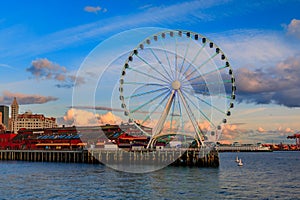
(34, 116)
(15, 102)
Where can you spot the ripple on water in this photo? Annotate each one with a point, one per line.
(264, 176)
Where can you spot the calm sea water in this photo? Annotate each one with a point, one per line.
(274, 175)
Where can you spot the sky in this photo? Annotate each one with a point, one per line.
(43, 45)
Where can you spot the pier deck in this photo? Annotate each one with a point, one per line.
(177, 157)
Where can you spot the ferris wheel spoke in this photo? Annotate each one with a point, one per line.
(207, 83)
(207, 73)
(156, 107)
(207, 103)
(142, 59)
(172, 114)
(145, 84)
(176, 58)
(171, 70)
(202, 113)
(183, 60)
(145, 93)
(148, 102)
(207, 93)
(200, 66)
(159, 61)
(180, 111)
(147, 75)
(195, 57)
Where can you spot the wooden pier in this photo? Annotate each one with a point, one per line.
(176, 157)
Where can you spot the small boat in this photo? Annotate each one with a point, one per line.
(240, 163)
(237, 159)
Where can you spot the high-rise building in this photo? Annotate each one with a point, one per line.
(14, 109)
(14, 114)
(5, 115)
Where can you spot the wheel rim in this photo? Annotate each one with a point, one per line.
(190, 68)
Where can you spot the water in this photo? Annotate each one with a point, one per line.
(264, 176)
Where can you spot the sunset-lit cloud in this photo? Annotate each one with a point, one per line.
(278, 85)
(80, 117)
(230, 133)
(7, 98)
(45, 69)
(289, 130)
(261, 130)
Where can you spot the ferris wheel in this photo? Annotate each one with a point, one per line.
(180, 84)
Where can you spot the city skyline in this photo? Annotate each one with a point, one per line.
(41, 53)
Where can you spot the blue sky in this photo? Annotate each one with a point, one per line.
(260, 38)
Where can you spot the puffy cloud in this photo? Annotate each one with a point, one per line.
(7, 98)
(232, 133)
(109, 118)
(45, 69)
(289, 130)
(294, 28)
(80, 117)
(94, 9)
(261, 130)
(279, 85)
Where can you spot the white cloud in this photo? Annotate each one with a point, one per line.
(94, 9)
(294, 28)
(253, 48)
(163, 16)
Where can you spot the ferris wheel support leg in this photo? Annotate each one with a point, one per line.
(162, 120)
(192, 119)
(151, 143)
(198, 142)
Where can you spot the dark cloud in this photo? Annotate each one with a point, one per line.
(7, 98)
(45, 69)
(279, 85)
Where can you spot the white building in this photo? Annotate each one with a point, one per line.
(29, 120)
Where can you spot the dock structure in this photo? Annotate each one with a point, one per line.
(175, 157)
(243, 149)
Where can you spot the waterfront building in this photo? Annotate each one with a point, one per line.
(28, 120)
(33, 121)
(4, 110)
(14, 111)
(2, 128)
(132, 129)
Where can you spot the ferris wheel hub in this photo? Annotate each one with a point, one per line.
(176, 85)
